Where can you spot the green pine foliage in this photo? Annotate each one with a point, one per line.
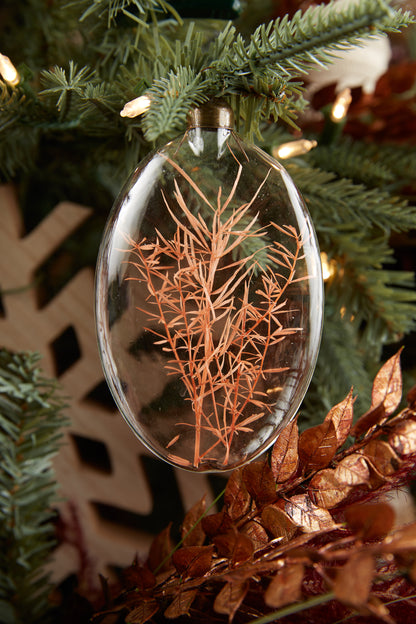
(114, 50)
(355, 202)
(30, 432)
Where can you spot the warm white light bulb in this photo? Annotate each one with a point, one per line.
(136, 107)
(341, 105)
(8, 71)
(328, 267)
(293, 148)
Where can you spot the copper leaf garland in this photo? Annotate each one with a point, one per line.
(310, 536)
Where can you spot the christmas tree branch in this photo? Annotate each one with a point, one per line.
(30, 433)
(287, 48)
(135, 10)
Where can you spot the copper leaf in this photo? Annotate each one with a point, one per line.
(160, 549)
(229, 599)
(235, 546)
(181, 604)
(284, 456)
(341, 415)
(217, 523)
(387, 386)
(325, 490)
(403, 540)
(260, 482)
(286, 586)
(138, 577)
(192, 532)
(374, 416)
(143, 613)
(193, 561)
(353, 581)
(255, 531)
(403, 437)
(307, 515)
(385, 397)
(352, 470)
(278, 523)
(317, 446)
(371, 520)
(237, 499)
(411, 397)
(382, 457)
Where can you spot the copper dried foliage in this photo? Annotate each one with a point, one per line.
(284, 456)
(286, 586)
(403, 437)
(278, 523)
(237, 547)
(217, 523)
(138, 577)
(308, 516)
(354, 579)
(387, 386)
(341, 416)
(353, 470)
(160, 549)
(411, 398)
(402, 540)
(317, 446)
(311, 514)
(237, 499)
(143, 612)
(385, 398)
(181, 604)
(260, 483)
(382, 457)
(326, 491)
(255, 531)
(372, 521)
(185, 305)
(192, 532)
(229, 599)
(364, 425)
(193, 561)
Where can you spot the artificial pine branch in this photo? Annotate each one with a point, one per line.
(339, 200)
(173, 97)
(135, 10)
(343, 361)
(260, 71)
(31, 424)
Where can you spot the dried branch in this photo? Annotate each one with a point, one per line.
(217, 332)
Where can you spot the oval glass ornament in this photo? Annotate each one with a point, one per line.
(209, 298)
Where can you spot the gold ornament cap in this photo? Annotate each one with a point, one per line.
(212, 114)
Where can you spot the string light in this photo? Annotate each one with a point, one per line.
(328, 267)
(293, 148)
(8, 71)
(136, 107)
(341, 105)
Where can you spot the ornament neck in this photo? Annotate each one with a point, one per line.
(213, 114)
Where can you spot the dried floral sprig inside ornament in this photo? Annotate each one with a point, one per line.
(209, 298)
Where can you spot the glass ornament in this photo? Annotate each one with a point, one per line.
(209, 298)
